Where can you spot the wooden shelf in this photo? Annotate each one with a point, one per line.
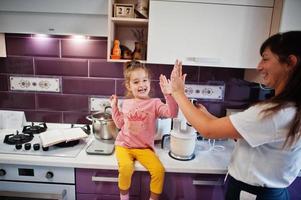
(124, 60)
(128, 30)
(129, 21)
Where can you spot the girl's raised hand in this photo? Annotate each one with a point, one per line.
(113, 100)
(165, 85)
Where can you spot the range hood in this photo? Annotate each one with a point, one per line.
(58, 17)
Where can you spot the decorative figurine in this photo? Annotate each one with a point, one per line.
(116, 51)
(140, 44)
(126, 53)
(137, 54)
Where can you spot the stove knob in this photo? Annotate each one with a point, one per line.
(27, 146)
(36, 146)
(18, 146)
(49, 175)
(2, 172)
(45, 148)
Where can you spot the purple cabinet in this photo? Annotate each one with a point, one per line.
(208, 186)
(96, 197)
(101, 197)
(294, 189)
(102, 184)
(187, 186)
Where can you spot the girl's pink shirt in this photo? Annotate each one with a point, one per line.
(137, 120)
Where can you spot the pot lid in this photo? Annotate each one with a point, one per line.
(183, 135)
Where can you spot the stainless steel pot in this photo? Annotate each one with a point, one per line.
(103, 126)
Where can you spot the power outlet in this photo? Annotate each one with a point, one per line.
(40, 84)
(212, 92)
(99, 104)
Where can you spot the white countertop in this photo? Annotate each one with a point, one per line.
(206, 161)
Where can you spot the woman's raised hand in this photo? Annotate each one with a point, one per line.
(177, 78)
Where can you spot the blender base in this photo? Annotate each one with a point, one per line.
(182, 158)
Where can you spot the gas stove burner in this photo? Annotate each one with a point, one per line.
(35, 129)
(182, 158)
(18, 138)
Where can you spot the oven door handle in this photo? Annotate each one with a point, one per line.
(34, 195)
(104, 179)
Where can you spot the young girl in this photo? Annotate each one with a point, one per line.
(137, 121)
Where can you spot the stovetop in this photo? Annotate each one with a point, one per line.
(35, 147)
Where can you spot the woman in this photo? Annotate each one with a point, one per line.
(267, 155)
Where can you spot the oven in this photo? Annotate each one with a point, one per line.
(36, 182)
(30, 182)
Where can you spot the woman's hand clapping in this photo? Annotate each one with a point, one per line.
(177, 78)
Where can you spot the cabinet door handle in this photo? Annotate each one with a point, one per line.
(104, 179)
(204, 60)
(202, 182)
(34, 195)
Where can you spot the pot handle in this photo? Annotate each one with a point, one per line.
(105, 110)
(89, 117)
(163, 139)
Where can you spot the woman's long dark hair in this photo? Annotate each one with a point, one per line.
(284, 45)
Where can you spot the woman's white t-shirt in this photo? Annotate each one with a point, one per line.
(259, 158)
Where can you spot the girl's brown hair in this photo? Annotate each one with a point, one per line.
(128, 68)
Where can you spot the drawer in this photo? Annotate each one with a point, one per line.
(103, 182)
(101, 197)
(210, 186)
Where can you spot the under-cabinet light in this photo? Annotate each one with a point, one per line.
(79, 37)
(41, 36)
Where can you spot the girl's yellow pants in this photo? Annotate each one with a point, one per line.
(148, 158)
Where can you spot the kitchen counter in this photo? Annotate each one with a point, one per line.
(206, 161)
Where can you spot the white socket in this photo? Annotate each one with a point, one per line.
(99, 104)
(212, 92)
(34, 84)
